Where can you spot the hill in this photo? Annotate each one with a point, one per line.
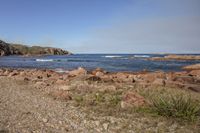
(19, 49)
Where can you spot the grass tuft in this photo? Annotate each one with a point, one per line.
(177, 106)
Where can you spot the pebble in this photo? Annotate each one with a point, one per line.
(105, 126)
(45, 120)
(97, 123)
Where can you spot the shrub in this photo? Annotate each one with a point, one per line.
(177, 107)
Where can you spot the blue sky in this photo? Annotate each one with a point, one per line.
(104, 26)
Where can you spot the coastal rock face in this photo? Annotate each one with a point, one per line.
(7, 49)
(18, 49)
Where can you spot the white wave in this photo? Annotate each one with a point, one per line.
(59, 70)
(141, 56)
(112, 56)
(44, 60)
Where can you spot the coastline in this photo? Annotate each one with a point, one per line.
(92, 101)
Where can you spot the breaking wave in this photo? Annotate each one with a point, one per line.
(112, 56)
(44, 60)
(141, 56)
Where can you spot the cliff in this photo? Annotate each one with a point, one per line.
(18, 49)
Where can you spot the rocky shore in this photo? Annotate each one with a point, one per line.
(18, 49)
(176, 57)
(91, 101)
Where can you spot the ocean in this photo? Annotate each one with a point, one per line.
(109, 62)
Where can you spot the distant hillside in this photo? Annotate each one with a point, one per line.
(18, 49)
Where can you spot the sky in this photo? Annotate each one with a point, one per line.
(104, 26)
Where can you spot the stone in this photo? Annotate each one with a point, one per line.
(78, 72)
(132, 99)
(45, 120)
(105, 126)
(159, 81)
(97, 123)
(61, 94)
(64, 87)
(60, 82)
(94, 78)
(192, 67)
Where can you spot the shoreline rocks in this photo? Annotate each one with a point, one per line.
(189, 79)
(176, 57)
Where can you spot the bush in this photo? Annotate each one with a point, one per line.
(177, 107)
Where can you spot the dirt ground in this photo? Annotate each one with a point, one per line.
(26, 109)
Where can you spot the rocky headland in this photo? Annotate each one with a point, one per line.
(18, 49)
(99, 101)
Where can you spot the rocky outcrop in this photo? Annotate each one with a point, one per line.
(176, 57)
(192, 67)
(189, 79)
(7, 49)
(18, 49)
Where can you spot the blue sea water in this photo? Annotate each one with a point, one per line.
(109, 62)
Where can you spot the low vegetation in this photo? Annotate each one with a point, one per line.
(161, 101)
(182, 107)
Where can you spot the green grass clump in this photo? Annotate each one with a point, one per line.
(177, 106)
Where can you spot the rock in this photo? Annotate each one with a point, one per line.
(78, 72)
(159, 81)
(151, 77)
(64, 88)
(195, 73)
(45, 120)
(94, 78)
(17, 49)
(98, 72)
(193, 87)
(192, 67)
(60, 82)
(14, 73)
(132, 99)
(105, 126)
(184, 79)
(174, 84)
(61, 94)
(26, 79)
(123, 77)
(176, 57)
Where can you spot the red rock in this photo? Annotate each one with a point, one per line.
(192, 67)
(150, 77)
(100, 70)
(195, 73)
(159, 81)
(14, 73)
(60, 82)
(193, 87)
(78, 72)
(132, 99)
(184, 79)
(123, 77)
